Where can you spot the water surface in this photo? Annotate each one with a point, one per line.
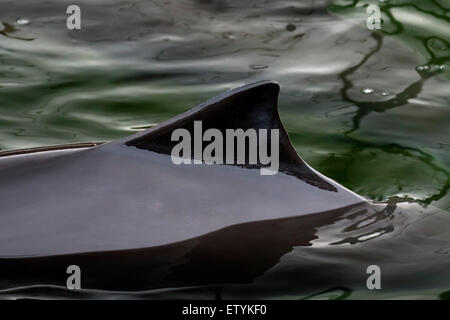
(368, 109)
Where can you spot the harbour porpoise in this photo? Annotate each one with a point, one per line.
(132, 219)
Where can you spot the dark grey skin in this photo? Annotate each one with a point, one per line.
(124, 211)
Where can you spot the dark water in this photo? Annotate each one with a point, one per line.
(368, 109)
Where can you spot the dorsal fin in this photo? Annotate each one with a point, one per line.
(251, 106)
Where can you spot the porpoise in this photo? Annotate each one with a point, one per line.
(132, 219)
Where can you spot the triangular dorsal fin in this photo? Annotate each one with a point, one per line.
(253, 106)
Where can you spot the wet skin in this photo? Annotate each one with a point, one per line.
(133, 220)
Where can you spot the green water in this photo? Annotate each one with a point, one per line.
(137, 63)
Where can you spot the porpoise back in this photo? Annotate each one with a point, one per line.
(129, 194)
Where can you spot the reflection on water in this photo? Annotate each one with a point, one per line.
(8, 29)
(320, 255)
(369, 109)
